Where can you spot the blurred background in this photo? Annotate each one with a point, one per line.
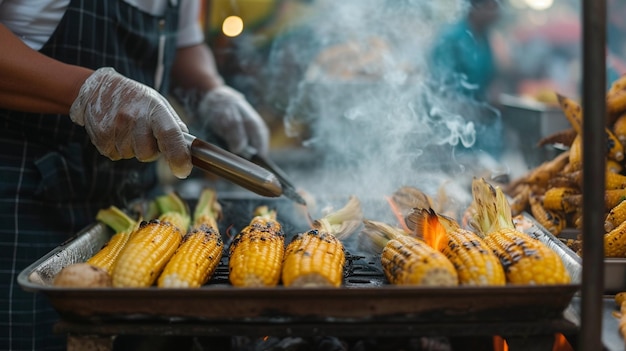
(351, 85)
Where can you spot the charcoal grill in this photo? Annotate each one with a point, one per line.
(366, 305)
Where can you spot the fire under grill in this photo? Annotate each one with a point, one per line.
(366, 305)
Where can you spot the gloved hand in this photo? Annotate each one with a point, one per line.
(127, 119)
(229, 116)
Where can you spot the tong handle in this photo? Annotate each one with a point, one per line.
(237, 169)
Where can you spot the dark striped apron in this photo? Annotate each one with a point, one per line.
(52, 180)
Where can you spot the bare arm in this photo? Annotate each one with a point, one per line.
(33, 82)
(194, 69)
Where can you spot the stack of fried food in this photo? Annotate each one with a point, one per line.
(552, 191)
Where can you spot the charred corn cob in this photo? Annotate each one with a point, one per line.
(317, 257)
(615, 242)
(576, 154)
(559, 199)
(619, 128)
(612, 198)
(541, 175)
(613, 166)
(520, 201)
(201, 249)
(525, 260)
(572, 111)
(409, 261)
(123, 226)
(562, 137)
(616, 101)
(615, 217)
(152, 245)
(257, 251)
(314, 258)
(612, 180)
(620, 301)
(618, 84)
(615, 148)
(553, 221)
(473, 260)
(574, 114)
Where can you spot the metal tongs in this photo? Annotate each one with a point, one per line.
(252, 171)
(289, 190)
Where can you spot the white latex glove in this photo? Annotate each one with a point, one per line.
(230, 117)
(127, 119)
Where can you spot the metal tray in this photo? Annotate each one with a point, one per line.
(526, 122)
(365, 296)
(614, 268)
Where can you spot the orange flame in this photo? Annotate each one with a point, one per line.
(266, 337)
(560, 343)
(499, 344)
(434, 232)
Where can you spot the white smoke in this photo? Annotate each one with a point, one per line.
(355, 75)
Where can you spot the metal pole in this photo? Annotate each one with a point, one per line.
(594, 163)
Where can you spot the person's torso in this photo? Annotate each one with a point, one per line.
(93, 34)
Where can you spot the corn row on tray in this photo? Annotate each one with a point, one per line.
(364, 296)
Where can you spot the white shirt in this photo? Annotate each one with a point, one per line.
(34, 21)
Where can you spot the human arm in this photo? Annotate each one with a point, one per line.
(33, 82)
(123, 118)
(220, 109)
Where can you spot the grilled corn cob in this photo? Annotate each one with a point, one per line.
(618, 84)
(615, 148)
(612, 180)
(473, 260)
(314, 258)
(616, 101)
(317, 257)
(574, 114)
(541, 175)
(620, 301)
(200, 251)
(152, 245)
(613, 166)
(576, 154)
(123, 226)
(562, 137)
(615, 242)
(615, 217)
(612, 198)
(619, 128)
(257, 251)
(525, 260)
(407, 260)
(553, 221)
(559, 199)
(572, 111)
(520, 201)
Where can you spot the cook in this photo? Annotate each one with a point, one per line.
(83, 111)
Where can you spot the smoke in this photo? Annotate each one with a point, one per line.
(353, 83)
